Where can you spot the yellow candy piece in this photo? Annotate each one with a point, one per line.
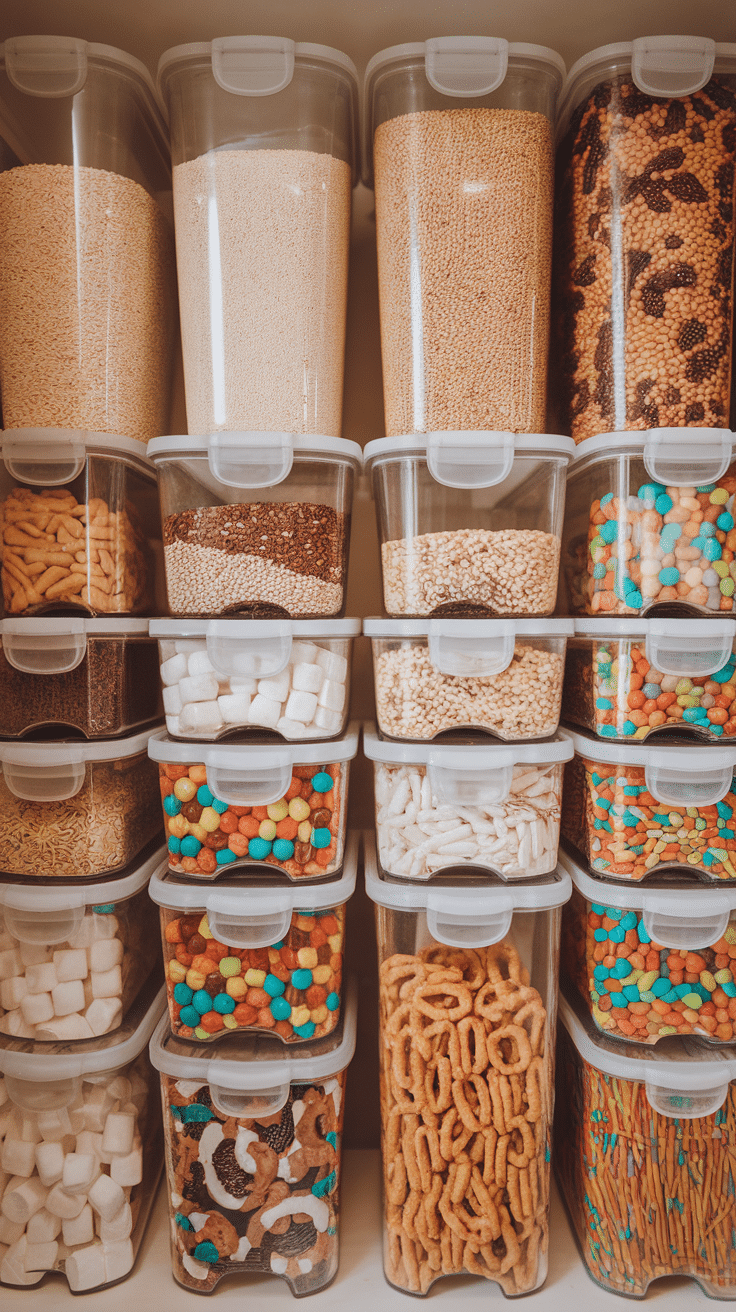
(645, 981)
(708, 981)
(198, 832)
(299, 1016)
(298, 809)
(178, 826)
(195, 979)
(209, 820)
(307, 958)
(278, 810)
(254, 978)
(730, 934)
(204, 927)
(267, 830)
(321, 974)
(236, 987)
(176, 971)
(304, 832)
(230, 1022)
(335, 942)
(319, 1014)
(185, 789)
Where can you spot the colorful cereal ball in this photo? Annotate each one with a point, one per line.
(632, 698)
(292, 988)
(298, 833)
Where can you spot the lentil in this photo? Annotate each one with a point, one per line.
(502, 572)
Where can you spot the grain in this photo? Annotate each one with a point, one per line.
(644, 236)
(262, 249)
(464, 228)
(87, 302)
(502, 572)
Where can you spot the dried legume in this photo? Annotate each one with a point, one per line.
(502, 572)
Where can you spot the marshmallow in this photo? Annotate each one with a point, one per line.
(67, 1206)
(13, 1269)
(199, 688)
(277, 688)
(234, 707)
(34, 954)
(118, 1227)
(334, 665)
(10, 963)
(332, 696)
(185, 646)
(119, 1259)
(127, 1169)
(41, 1257)
(107, 983)
(172, 700)
(290, 728)
(35, 1008)
(23, 1198)
(85, 935)
(244, 687)
(49, 1162)
(88, 1141)
(85, 1268)
(307, 678)
(54, 1124)
(104, 1015)
(106, 1196)
(12, 992)
(11, 1231)
(104, 925)
(200, 663)
(68, 997)
(117, 1136)
(174, 669)
(173, 726)
(29, 1131)
(328, 721)
(43, 1227)
(301, 706)
(105, 954)
(264, 711)
(201, 717)
(80, 1170)
(70, 964)
(14, 1025)
(79, 1229)
(120, 1090)
(18, 1158)
(304, 653)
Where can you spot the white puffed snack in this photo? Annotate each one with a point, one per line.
(85, 1267)
(106, 1196)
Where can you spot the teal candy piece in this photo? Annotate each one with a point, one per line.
(600, 936)
(183, 1221)
(105, 910)
(725, 522)
(189, 1016)
(223, 1004)
(331, 1138)
(631, 993)
(205, 796)
(202, 1002)
(259, 848)
(599, 570)
(206, 1252)
(629, 728)
(219, 807)
(618, 999)
(183, 994)
(712, 549)
(617, 934)
(280, 1009)
(273, 986)
(301, 979)
(609, 531)
(629, 920)
(634, 599)
(607, 731)
(606, 498)
(283, 849)
(174, 845)
(172, 805)
(663, 504)
(651, 691)
(196, 1111)
(305, 1031)
(224, 857)
(321, 838)
(332, 1001)
(322, 1187)
(669, 577)
(603, 704)
(729, 989)
(707, 530)
(322, 782)
(190, 845)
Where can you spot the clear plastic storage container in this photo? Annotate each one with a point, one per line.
(467, 985)
(459, 137)
(256, 525)
(277, 806)
(469, 524)
(76, 810)
(483, 808)
(501, 676)
(628, 678)
(253, 1155)
(79, 525)
(258, 957)
(263, 139)
(87, 276)
(652, 961)
(94, 676)
(632, 808)
(649, 524)
(226, 676)
(81, 1154)
(644, 234)
(643, 1153)
(73, 959)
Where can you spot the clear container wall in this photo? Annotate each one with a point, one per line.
(262, 188)
(415, 700)
(88, 545)
(419, 835)
(494, 551)
(283, 551)
(83, 1174)
(87, 268)
(303, 834)
(467, 1061)
(464, 191)
(648, 1195)
(240, 1187)
(633, 546)
(644, 232)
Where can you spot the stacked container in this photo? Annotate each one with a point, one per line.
(642, 319)
(469, 492)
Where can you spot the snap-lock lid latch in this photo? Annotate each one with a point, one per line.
(249, 654)
(266, 921)
(40, 926)
(44, 783)
(680, 929)
(454, 652)
(679, 457)
(687, 784)
(45, 653)
(45, 1096)
(688, 1104)
(470, 460)
(45, 457)
(48, 66)
(250, 460)
(701, 651)
(249, 1103)
(462, 780)
(251, 780)
(466, 66)
(253, 65)
(672, 65)
(467, 922)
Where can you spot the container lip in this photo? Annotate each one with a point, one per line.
(161, 747)
(67, 624)
(637, 628)
(384, 448)
(41, 1067)
(650, 897)
(378, 627)
(61, 752)
(306, 50)
(175, 896)
(342, 628)
(94, 443)
(189, 444)
(630, 443)
(251, 1071)
(628, 753)
(25, 897)
(557, 748)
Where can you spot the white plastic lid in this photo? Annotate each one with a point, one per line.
(469, 649)
(676, 775)
(252, 774)
(254, 915)
(48, 457)
(253, 648)
(675, 457)
(254, 460)
(677, 647)
(254, 1078)
(255, 65)
(57, 646)
(473, 459)
(55, 66)
(471, 916)
(54, 771)
(672, 916)
(682, 1082)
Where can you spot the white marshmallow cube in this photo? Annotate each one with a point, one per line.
(106, 1196)
(301, 706)
(117, 1227)
(243, 687)
(29, 1131)
(11, 1231)
(10, 963)
(117, 1136)
(334, 665)
(185, 646)
(65, 1028)
(79, 1229)
(172, 700)
(80, 1170)
(200, 717)
(68, 997)
(70, 964)
(328, 721)
(14, 1025)
(65, 1205)
(41, 1257)
(127, 1170)
(264, 711)
(332, 696)
(49, 1162)
(12, 992)
(200, 663)
(307, 678)
(174, 669)
(198, 688)
(234, 707)
(23, 1198)
(85, 1268)
(18, 1158)
(35, 1008)
(290, 728)
(43, 1227)
(107, 983)
(105, 954)
(34, 954)
(88, 1141)
(54, 1124)
(304, 653)
(118, 1259)
(173, 726)
(13, 1269)
(104, 1015)
(277, 688)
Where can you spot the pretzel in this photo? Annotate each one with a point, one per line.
(516, 1035)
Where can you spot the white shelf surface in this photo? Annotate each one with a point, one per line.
(360, 1283)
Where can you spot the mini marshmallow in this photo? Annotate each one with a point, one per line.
(234, 707)
(104, 1015)
(43, 1227)
(334, 665)
(127, 1170)
(118, 1227)
(200, 717)
(18, 1158)
(301, 706)
(70, 964)
(10, 963)
(173, 726)
(105, 925)
(29, 1131)
(264, 711)
(172, 700)
(117, 1136)
(277, 688)
(12, 992)
(76, 1108)
(332, 696)
(14, 1025)
(34, 954)
(107, 983)
(120, 1090)
(79, 1229)
(41, 1257)
(290, 728)
(105, 954)
(68, 997)
(199, 688)
(65, 1028)
(85, 935)
(118, 1259)
(88, 1141)
(85, 1268)
(23, 1198)
(106, 1196)
(11, 1231)
(185, 646)
(174, 669)
(304, 653)
(200, 663)
(13, 1269)
(244, 687)
(328, 721)
(60, 1203)
(307, 678)
(54, 1124)
(49, 1162)
(80, 1170)
(35, 1008)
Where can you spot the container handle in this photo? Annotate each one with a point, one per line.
(55, 457)
(694, 652)
(466, 66)
(468, 657)
(470, 460)
(473, 926)
(46, 653)
(672, 65)
(253, 65)
(248, 1104)
(247, 656)
(48, 66)
(682, 930)
(688, 1104)
(688, 784)
(469, 785)
(47, 927)
(43, 1095)
(268, 918)
(44, 783)
(679, 457)
(259, 781)
(250, 460)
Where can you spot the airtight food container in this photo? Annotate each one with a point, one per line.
(500, 676)
(467, 984)
(468, 805)
(253, 1156)
(644, 232)
(279, 807)
(643, 1145)
(459, 145)
(227, 676)
(87, 268)
(633, 809)
(93, 676)
(255, 957)
(469, 524)
(256, 525)
(79, 525)
(76, 810)
(637, 678)
(74, 958)
(81, 1154)
(653, 961)
(264, 149)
